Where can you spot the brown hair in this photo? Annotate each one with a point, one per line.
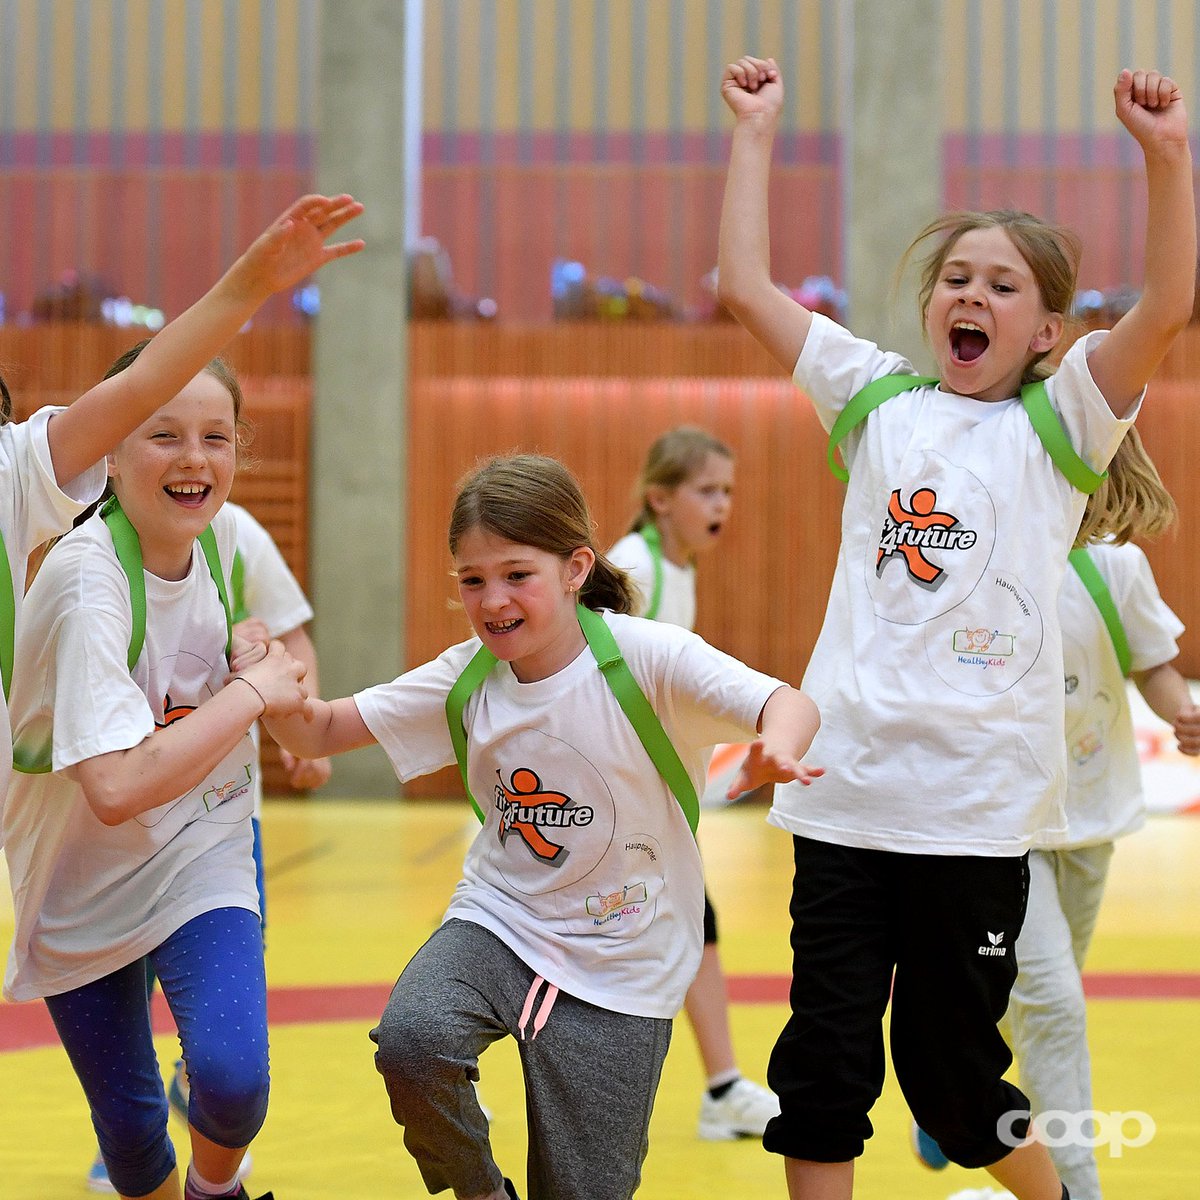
(533, 500)
(1131, 502)
(1052, 252)
(673, 458)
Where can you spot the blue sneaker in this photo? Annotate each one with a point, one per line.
(927, 1150)
(97, 1177)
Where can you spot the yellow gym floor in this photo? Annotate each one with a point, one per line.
(354, 888)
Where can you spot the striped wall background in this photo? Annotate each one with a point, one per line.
(144, 141)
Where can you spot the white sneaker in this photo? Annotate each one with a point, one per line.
(985, 1193)
(743, 1111)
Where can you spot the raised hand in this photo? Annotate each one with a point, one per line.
(293, 246)
(1150, 105)
(752, 86)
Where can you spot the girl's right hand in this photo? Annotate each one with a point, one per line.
(752, 86)
(278, 678)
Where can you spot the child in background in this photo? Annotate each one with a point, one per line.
(1114, 625)
(685, 492)
(576, 926)
(945, 763)
(128, 831)
(51, 466)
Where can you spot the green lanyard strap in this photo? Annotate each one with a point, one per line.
(1102, 597)
(237, 583)
(1045, 421)
(129, 554)
(653, 540)
(624, 688)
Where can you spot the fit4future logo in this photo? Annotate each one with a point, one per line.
(1119, 1131)
(909, 531)
(995, 947)
(537, 815)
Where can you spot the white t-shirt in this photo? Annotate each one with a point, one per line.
(90, 898)
(677, 604)
(1104, 782)
(33, 509)
(270, 593)
(937, 668)
(596, 885)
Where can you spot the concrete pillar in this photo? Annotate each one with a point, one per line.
(893, 148)
(359, 468)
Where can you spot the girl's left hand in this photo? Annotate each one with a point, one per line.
(305, 773)
(1150, 106)
(763, 765)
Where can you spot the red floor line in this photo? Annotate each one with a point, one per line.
(28, 1026)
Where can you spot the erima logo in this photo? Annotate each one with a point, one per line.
(995, 950)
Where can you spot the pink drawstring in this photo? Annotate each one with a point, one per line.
(543, 1014)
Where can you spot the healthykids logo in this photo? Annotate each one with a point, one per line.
(624, 902)
(528, 811)
(221, 793)
(983, 647)
(909, 532)
(995, 949)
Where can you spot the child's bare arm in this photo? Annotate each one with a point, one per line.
(291, 248)
(787, 726)
(1167, 693)
(754, 92)
(1151, 107)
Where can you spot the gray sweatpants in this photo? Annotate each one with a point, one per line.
(590, 1074)
(1046, 1011)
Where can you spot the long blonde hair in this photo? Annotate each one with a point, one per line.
(1132, 502)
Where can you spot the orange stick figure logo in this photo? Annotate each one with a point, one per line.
(909, 532)
(526, 809)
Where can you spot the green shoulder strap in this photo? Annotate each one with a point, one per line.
(1093, 581)
(237, 583)
(1045, 421)
(1049, 428)
(8, 619)
(861, 405)
(129, 554)
(653, 540)
(624, 688)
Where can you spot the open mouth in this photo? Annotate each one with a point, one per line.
(967, 342)
(190, 495)
(714, 528)
(501, 627)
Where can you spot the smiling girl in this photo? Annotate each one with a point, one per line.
(946, 756)
(128, 831)
(576, 928)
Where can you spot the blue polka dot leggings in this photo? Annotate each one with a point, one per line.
(211, 972)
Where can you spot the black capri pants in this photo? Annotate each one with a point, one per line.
(937, 933)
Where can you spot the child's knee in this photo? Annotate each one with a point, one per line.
(413, 1048)
(229, 1099)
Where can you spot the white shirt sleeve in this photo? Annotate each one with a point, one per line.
(272, 593)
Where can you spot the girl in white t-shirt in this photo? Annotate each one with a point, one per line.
(576, 926)
(51, 465)
(684, 494)
(127, 831)
(938, 667)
